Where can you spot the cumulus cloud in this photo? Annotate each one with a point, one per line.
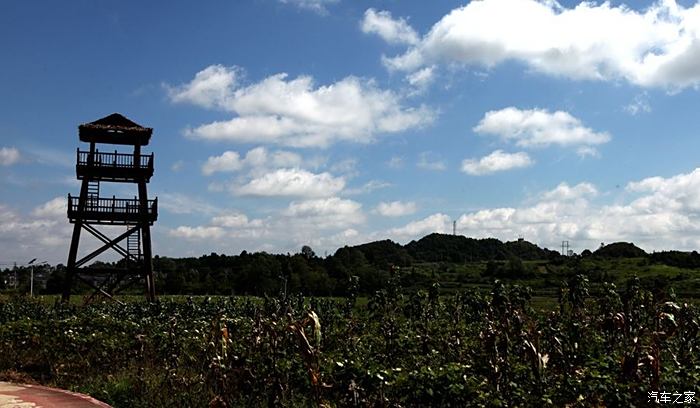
(228, 162)
(197, 233)
(235, 219)
(564, 192)
(655, 47)
(296, 112)
(56, 208)
(396, 208)
(9, 156)
(326, 212)
(255, 159)
(324, 222)
(391, 30)
(495, 162)
(292, 182)
(421, 79)
(439, 223)
(210, 88)
(539, 128)
(664, 215)
(656, 213)
(42, 230)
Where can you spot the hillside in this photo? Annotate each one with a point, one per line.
(620, 250)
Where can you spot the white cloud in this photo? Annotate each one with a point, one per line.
(323, 207)
(44, 233)
(318, 6)
(655, 213)
(495, 162)
(440, 223)
(564, 192)
(421, 79)
(235, 219)
(228, 162)
(257, 160)
(656, 47)
(396, 208)
(324, 223)
(332, 212)
(197, 233)
(539, 128)
(294, 112)
(56, 208)
(393, 31)
(681, 191)
(9, 156)
(431, 161)
(292, 182)
(666, 215)
(210, 88)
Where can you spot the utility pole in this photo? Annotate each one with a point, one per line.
(454, 227)
(31, 277)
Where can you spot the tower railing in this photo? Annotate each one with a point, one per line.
(114, 159)
(111, 209)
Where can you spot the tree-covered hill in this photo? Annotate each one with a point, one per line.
(453, 261)
(620, 250)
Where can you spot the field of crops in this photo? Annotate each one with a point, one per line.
(608, 348)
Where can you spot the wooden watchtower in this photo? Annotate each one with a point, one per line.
(90, 210)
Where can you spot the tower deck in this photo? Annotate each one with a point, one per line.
(113, 166)
(111, 211)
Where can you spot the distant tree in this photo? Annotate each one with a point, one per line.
(307, 252)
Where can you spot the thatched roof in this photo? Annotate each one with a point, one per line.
(115, 129)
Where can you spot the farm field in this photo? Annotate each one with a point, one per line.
(397, 347)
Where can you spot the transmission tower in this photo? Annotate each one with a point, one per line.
(565, 248)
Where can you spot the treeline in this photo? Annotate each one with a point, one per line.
(372, 263)
(262, 273)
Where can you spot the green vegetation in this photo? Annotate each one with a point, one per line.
(446, 320)
(402, 347)
(457, 263)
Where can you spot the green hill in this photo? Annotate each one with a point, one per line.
(620, 250)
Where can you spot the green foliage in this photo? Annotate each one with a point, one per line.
(601, 347)
(620, 250)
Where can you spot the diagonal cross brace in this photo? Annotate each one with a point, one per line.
(98, 289)
(108, 244)
(102, 237)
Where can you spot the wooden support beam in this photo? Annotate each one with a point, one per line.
(98, 289)
(106, 246)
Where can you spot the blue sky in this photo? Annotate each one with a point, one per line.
(329, 123)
